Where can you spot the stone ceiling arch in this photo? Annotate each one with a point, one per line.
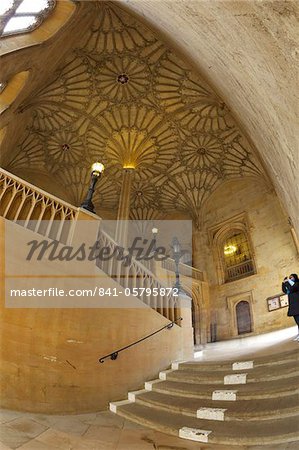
(247, 50)
(122, 96)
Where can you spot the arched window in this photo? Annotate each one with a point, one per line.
(237, 256)
(23, 16)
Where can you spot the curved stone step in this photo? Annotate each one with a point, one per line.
(254, 375)
(279, 359)
(253, 401)
(274, 389)
(261, 409)
(217, 432)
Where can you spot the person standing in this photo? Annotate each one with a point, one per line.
(290, 286)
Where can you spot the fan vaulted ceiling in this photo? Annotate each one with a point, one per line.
(123, 97)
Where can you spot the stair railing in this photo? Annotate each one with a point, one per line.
(55, 219)
(114, 355)
(184, 269)
(35, 209)
(133, 274)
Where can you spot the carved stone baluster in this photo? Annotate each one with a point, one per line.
(139, 278)
(153, 297)
(110, 261)
(160, 300)
(118, 270)
(125, 282)
(3, 188)
(133, 276)
(6, 184)
(13, 194)
(53, 212)
(106, 264)
(166, 307)
(61, 223)
(44, 205)
(71, 228)
(171, 311)
(33, 203)
(145, 283)
(24, 197)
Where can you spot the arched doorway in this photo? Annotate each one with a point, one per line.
(244, 323)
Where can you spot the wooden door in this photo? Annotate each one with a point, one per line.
(244, 323)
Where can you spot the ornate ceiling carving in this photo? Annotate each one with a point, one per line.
(124, 98)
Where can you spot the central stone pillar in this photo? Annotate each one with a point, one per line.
(121, 234)
(196, 247)
(201, 294)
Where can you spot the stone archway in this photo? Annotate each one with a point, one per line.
(198, 291)
(241, 318)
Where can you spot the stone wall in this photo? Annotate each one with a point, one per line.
(49, 356)
(274, 253)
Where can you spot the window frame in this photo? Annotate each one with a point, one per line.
(250, 261)
(11, 13)
(217, 236)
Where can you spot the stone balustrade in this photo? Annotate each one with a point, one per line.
(55, 219)
(239, 270)
(184, 269)
(134, 275)
(35, 209)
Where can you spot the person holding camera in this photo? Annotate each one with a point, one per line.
(290, 286)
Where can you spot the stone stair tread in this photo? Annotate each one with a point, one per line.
(241, 409)
(263, 410)
(259, 361)
(288, 370)
(257, 432)
(205, 390)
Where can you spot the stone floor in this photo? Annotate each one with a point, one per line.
(250, 346)
(105, 430)
(98, 431)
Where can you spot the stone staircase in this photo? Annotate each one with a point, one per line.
(252, 402)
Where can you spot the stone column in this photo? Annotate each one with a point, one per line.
(121, 234)
(196, 248)
(202, 291)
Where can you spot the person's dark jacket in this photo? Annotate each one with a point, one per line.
(293, 296)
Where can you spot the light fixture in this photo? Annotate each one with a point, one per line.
(230, 249)
(97, 168)
(155, 232)
(96, 171)
(129, 166)
(176, 246)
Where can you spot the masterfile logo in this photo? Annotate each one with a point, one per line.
(86, 267)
